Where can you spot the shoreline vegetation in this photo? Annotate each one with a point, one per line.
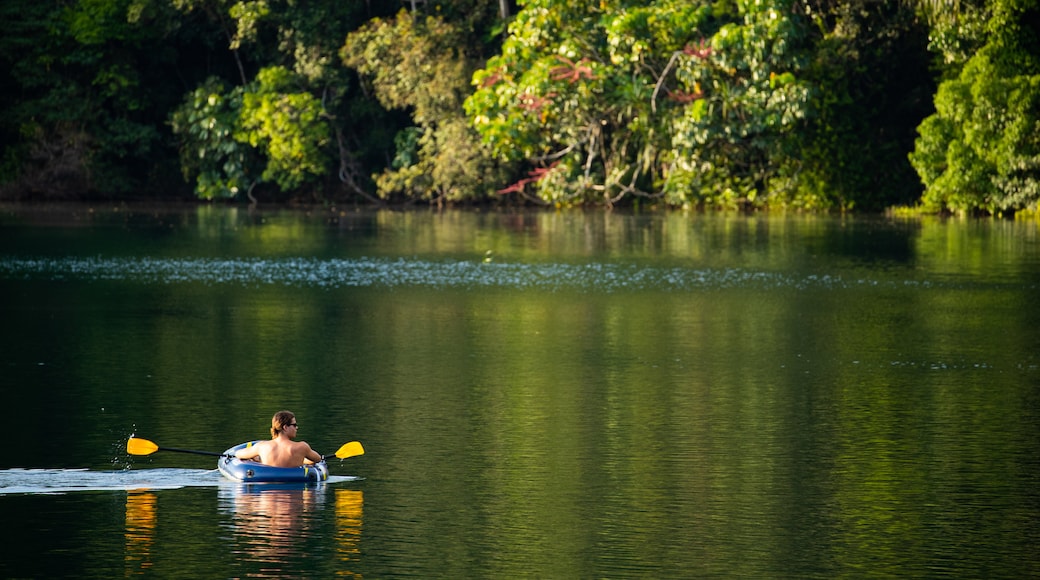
(78, 211)
(899, 107)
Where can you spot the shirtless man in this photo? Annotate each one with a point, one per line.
(281, 450)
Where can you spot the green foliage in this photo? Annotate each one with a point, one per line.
(956, 33)
(571, 93)
(753, 94)
(870, 69)
(227, 135)
(300, 108)
(247, 16)
(82, 111)
(710, 103)
(287, 126)
(980, 151)
(674, 100)
(221, 165)
(415, 63)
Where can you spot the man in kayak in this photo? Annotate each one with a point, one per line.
(281, 450)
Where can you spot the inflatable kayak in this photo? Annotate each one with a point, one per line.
(254, 472)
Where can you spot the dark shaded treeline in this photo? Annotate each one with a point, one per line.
(850, 104)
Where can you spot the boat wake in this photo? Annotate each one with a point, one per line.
(58, 481)
(61, 481)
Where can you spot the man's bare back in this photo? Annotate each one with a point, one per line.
(281, 450)
(279, 453)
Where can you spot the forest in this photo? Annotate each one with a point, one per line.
(816, 105)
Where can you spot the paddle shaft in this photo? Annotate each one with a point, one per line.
(137, 446)
(196, 452)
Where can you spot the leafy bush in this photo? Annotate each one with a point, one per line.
(980, 151)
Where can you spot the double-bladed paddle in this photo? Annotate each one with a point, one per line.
(138, 446)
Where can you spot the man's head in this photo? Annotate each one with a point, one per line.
(282, 421)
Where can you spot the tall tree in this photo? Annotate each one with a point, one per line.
(418, 63)
(292, 110)
(980, 151)
(89, 86)
(673, 100)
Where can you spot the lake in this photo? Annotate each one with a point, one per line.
(561, 394)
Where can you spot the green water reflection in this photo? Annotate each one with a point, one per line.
(803, 397)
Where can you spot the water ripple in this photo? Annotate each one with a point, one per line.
(401, 272)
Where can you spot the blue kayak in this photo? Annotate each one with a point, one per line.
(255, 472)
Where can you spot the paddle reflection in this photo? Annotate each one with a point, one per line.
(140, 531)
(349, 504)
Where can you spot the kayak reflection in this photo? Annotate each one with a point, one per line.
(277, 529)
(272, 524)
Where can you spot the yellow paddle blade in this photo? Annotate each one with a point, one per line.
(136, 446)
(350, 450)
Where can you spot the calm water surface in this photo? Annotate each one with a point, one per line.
(546, 395)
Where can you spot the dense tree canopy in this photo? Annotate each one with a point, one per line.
(669, 99)
(420, 64)
(818, 104)
(981, 148)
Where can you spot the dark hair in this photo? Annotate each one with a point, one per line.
(279, 421)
